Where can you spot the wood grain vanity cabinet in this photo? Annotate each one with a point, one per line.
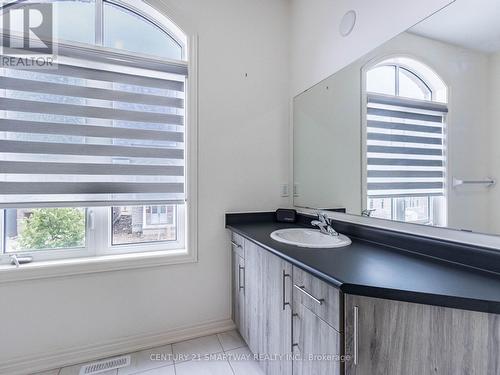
(316, 314)
(282, 310)
(268, 310)
(317, 343)
(400, 338)
(238, 283)
(321, 298)
(262, 311)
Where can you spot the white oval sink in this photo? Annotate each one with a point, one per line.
(311, 238)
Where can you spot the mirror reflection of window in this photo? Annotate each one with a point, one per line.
(382, 79)
(405, 142)
(411, 85)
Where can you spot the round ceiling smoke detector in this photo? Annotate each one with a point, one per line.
(348, 22)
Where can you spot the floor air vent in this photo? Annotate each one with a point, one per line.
(108, 364)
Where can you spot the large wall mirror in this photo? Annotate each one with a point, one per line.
(411, 131)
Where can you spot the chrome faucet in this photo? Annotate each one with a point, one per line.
(325, 224)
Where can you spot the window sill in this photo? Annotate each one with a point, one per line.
(89, 265)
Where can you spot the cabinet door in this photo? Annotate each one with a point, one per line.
(254, 303)
(268, 312)
(238, 292)
(401, 338)
(278, 313)
(316, 344)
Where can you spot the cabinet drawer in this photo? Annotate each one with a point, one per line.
(317, 343)
(318, 296)
(238, 243)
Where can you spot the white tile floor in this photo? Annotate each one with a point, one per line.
(222, 354)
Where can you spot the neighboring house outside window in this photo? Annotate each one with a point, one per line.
(405, 142)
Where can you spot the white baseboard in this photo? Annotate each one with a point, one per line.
(55, 359)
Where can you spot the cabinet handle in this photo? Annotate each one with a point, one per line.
(356, 334)
(285, 275)
(236, 244)
(241, 268)
(294, 315)
(303, 290)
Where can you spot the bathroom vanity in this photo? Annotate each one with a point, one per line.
(368, 308)
(405, 138)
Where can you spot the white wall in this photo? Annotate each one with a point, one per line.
(318, 50)
(243, 160)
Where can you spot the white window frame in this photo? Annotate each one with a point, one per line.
(99, 239)
(98, 246)
(140, 8)
(49, 254)
(104, 233)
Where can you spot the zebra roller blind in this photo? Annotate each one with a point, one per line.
(92, 133)
(405, 147)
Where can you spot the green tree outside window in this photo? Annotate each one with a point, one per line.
(52, 228)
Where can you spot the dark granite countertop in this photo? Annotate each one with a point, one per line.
(376, 270)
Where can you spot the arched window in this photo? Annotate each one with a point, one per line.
(398, 81)
(93, 144)
(408, 78)
(128, 26)
(405, 142)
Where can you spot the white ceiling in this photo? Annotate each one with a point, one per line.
(473, 24)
